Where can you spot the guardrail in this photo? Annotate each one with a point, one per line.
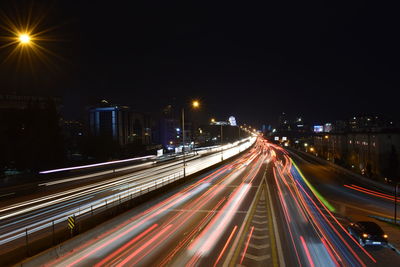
(51, 228)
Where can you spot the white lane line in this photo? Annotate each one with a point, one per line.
(259, 246)
(260, 236)
(261, 229)
(259, 222)
(276, 231)
(257, 258)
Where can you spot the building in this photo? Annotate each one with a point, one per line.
(30, 132)
(373, 154)
(121, 124)
(113, 122)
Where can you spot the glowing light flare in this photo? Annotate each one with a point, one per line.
(195, 103)
(24, 38)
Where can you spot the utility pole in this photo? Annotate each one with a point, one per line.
(222, 150)
(183, 140)
(395, 202)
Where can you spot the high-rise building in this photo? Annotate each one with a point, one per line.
(112, 121)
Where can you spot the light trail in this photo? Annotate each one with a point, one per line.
(153, 241)
(247, 245)
(225, 246)
(97, 164)
(193, 198)
(116, 189)
(307, 251)
(371, 192)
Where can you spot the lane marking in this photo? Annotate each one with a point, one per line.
(259, 246)
(261, 229)
(276, 231)
(257, 258)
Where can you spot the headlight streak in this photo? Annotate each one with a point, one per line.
(341, 226)
(287, 220)
(153, 241)
(188, 237)
(96, 165)
(312, 188)
(197, 204)
(336, 231)
(315, 223)
(85, 208)
(290, 171)
(207, 239)
(300, 207)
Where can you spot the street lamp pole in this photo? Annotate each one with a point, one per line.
(222, 150)
(395, 202)
(183, 141)
(195, 105)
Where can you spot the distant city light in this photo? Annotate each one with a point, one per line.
(318, 128)
(232, 121)
(196, 104)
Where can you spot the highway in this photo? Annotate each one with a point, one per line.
(220, 217)
(266, 207)
(311, 233)
(351, 199)
(39, 213)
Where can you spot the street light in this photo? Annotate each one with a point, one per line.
(24, 38)
(195, 105)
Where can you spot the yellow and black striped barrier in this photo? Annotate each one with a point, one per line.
(71, 222)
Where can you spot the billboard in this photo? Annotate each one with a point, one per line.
(318, 128)
(328, 127)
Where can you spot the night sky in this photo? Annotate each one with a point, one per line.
(319, 60)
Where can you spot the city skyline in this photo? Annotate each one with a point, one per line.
(297, 55)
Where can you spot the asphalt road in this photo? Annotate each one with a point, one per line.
(265, 208)
(219, 218)
(37, 213)
(317, 207)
